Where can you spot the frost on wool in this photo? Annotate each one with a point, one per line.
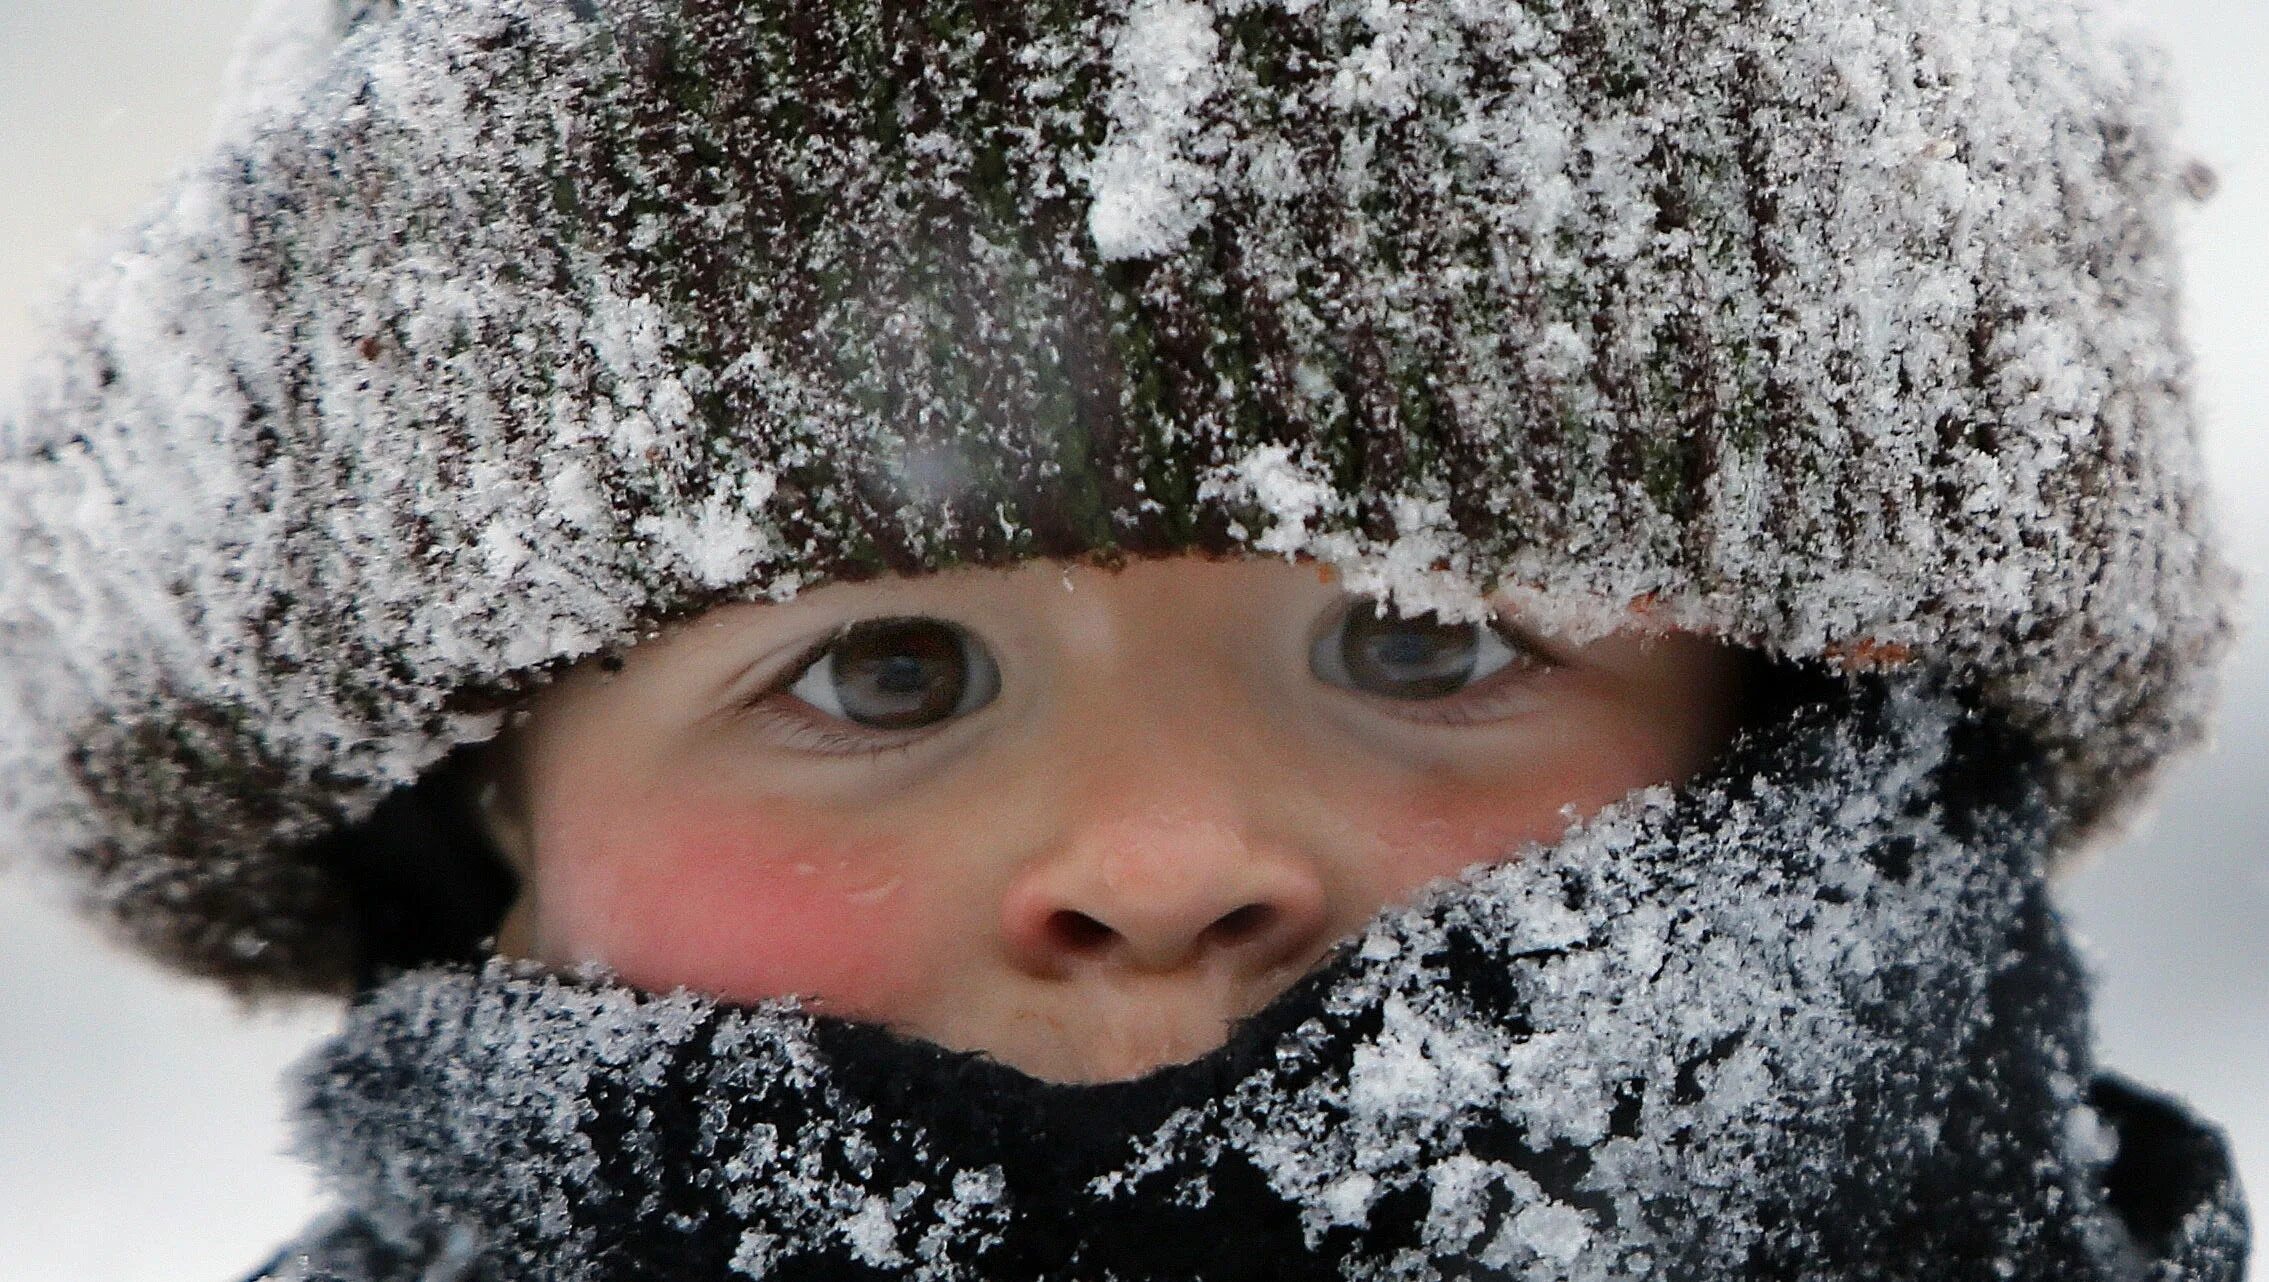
(509, 331)
(282, 54)
(1152, 175)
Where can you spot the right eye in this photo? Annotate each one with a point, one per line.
(1415, 660)
(899, 674)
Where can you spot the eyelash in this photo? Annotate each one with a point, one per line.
(1473, 704)
(1492, 694)
(809, 734)
(826, 737)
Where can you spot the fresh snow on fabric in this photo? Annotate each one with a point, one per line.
(497, 334)
(1150, 182)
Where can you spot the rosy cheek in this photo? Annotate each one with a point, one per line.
(740, 903)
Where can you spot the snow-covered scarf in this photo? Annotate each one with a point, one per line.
(1812, 1017)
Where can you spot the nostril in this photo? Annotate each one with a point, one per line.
(1239, 925)
(1077, 932)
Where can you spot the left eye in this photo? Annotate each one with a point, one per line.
(899, 674)
(1417, 658)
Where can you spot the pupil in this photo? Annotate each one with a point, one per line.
(1407, 658)
(898, 675)
(1402, 647)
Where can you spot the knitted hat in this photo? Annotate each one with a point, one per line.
(507, 330)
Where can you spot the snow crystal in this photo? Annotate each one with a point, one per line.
(872, 1234)
(1419, 571)
(1552, 1232)
(1149, 183)
(756, 1253)
(1348, 1201)
(723, 540)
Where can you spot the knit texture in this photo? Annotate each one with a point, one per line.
(507, 330)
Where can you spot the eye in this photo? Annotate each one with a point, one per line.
(1373, 652)
(899, 674)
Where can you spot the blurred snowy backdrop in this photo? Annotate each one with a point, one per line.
(141, 1135)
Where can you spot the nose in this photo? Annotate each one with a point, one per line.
(1164, 886)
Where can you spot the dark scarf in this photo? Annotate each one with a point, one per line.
(1813, 1017)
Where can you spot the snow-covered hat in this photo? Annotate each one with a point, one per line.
(497, 332)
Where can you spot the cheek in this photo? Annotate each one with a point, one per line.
(1440, 828)
(744, 903)
(1439, 832)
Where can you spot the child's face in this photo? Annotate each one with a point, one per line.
(1082, 820)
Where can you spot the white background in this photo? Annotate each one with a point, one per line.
(140, 1124)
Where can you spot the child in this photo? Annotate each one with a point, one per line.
(976, 568)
